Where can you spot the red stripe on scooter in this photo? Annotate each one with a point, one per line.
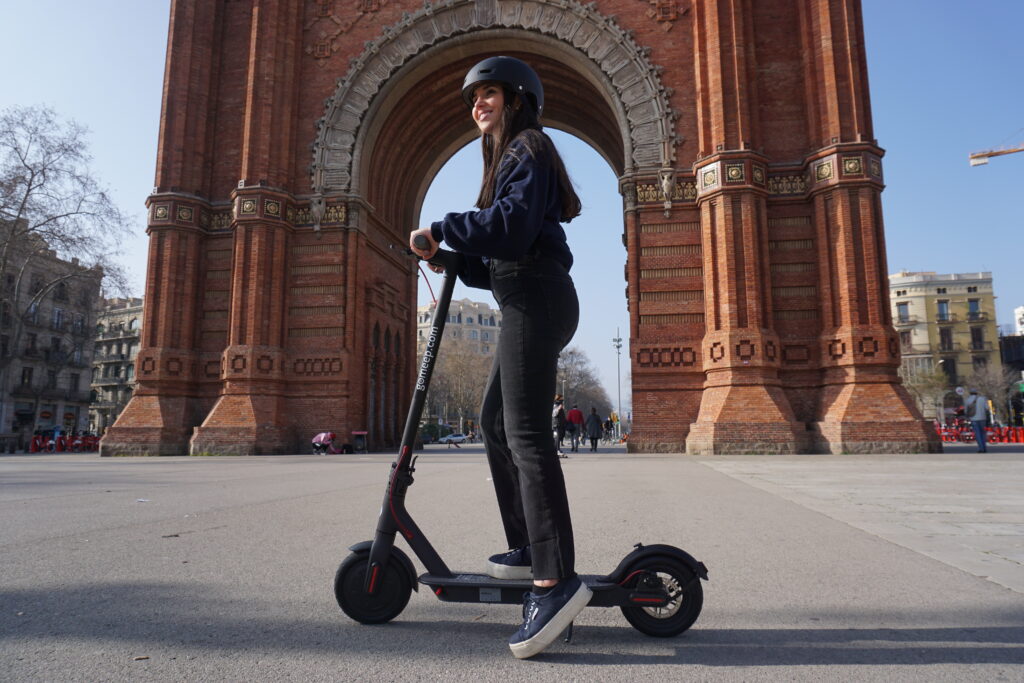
(625, 580)
(373, 578)
(646, 600)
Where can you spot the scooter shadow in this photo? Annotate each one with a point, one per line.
(597, 645)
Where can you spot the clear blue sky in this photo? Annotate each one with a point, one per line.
(945, 80)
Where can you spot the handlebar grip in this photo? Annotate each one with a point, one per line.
(421, 242)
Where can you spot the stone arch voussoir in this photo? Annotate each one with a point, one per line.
(625, 64)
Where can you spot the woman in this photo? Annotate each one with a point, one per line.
(515, 246)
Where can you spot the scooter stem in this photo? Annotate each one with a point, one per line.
(393, 515)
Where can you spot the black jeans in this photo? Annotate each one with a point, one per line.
(539, 312)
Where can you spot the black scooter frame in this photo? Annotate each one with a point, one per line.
(614, 589)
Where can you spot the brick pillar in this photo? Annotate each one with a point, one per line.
(159, 417)
(863, 407)
(250, 416)
(163, 408)
(743, 408)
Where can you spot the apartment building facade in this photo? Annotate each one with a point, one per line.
(46, 327)
(475, 323)
(945, 320)
(118, 331)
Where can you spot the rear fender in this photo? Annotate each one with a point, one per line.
(642, 552)
(403, 560)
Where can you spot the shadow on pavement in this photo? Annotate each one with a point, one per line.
(180, 615)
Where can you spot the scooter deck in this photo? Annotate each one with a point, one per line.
(484, 588)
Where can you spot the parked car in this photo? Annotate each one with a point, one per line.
(453, 438)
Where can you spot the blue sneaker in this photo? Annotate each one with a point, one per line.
(515, 564)
(546, 616)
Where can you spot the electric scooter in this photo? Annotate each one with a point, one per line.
(657, 587)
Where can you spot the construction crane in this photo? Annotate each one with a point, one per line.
(981, 158)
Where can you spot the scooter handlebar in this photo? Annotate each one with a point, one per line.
(452, 261)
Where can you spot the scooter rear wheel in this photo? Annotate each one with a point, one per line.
(686, 598)
(387, 603)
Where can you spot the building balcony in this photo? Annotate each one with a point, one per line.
(110, 358)
(946, 318)
(981, 346)
(915, 349)
(110, 381)
(952, 347)
(118, 334)
(907, 320)
(977, 316)
(47, 393)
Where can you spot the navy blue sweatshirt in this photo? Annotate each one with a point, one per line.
(525, 214)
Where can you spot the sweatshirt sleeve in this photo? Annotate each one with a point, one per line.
(509, 227)
(476, 273)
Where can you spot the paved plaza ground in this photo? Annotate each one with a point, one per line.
(846, 568)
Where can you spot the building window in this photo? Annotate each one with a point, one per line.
(129, 372)
(977, 338)
(903, 311)
(940, 290)
(472, 334)
(972, 290)
(26, 377)
(30, 342)
(133, 324)
(73, 380)
(60, 293)
(948, 366)
(905, 339)
(33, 312)
(979, 362)
(974, 309)
(943, 307)
(945, 339)
(51, 379)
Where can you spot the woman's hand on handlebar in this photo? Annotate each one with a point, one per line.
(418, 236)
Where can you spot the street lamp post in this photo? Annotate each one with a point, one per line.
(617, 343)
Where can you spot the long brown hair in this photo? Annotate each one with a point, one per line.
(518, 121)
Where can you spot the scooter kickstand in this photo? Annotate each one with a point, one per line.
(568, 632)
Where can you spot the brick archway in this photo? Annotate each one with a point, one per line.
(750, 179)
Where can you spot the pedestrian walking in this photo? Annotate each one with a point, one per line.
(976, 408)
(593, 428)
(575, 418)
(558, 424)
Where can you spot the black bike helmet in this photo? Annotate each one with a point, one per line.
(512, 72)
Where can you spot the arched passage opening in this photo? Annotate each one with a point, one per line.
(417, 122)
(421, 123)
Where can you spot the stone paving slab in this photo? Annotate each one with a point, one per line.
(963, 508)
(172, 569)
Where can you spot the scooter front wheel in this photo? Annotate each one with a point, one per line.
(377, 608)
(686, 598)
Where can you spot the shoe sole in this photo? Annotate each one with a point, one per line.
(558, 623)
(504, 571)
